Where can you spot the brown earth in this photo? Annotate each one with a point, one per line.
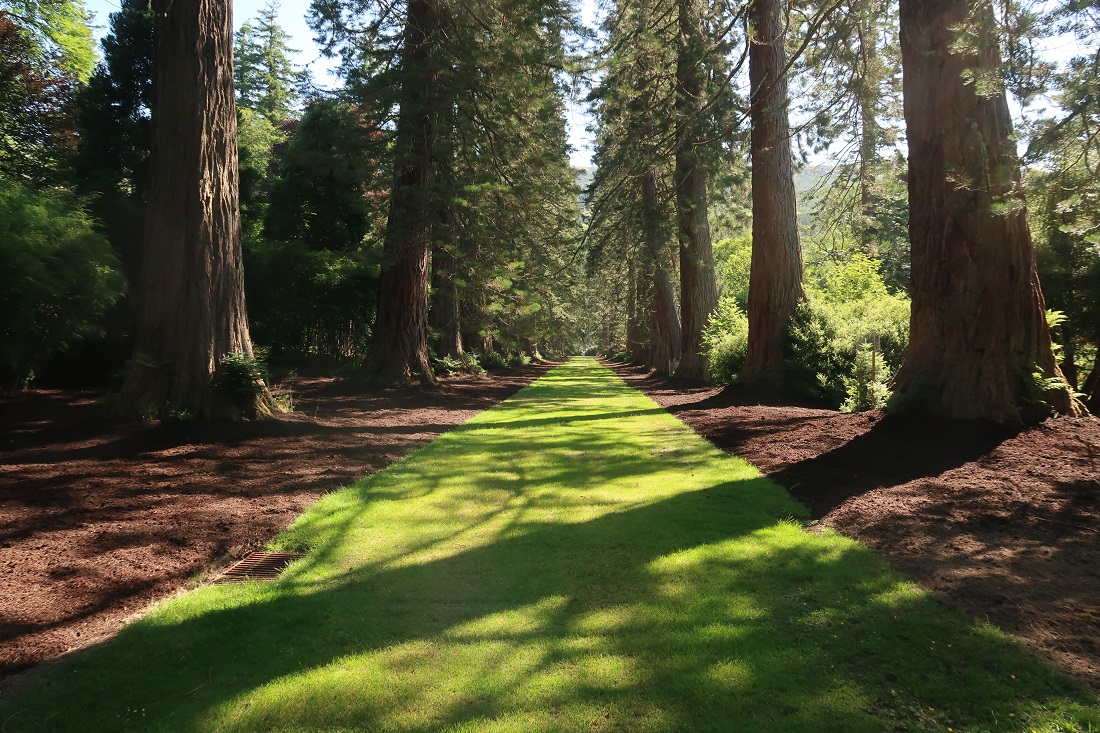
(1003, 525)
(99, 518)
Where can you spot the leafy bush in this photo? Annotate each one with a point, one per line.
(816, 362)
(306, 302)
(59, 279)
(829, 345)
(241, 374)
(867, 387)
(493, 360)
(725, 340)
(518, 360)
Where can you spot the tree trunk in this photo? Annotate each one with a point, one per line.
(869, 136)
(444, 314)
(635, 324)
(664, 322)
(399, 349)
(698, 289)
(775, 279)
(192, 311)
(977, 329)
(1092, 389)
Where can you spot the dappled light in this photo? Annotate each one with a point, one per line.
(574, 559)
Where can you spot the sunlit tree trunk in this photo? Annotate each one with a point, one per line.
(698, 288)
(775, 280)
(191, 294)
(977, 331)
(399, 349)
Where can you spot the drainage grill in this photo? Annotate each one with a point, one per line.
(259, 566)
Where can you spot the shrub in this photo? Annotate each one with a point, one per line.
(816, 362)
(829, 348)
(59, 279)
(725, 340)
(867, 387)
(241, 374)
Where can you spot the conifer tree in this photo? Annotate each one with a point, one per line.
(193, 354)
(775, 285)
(266, 80)
(979, 344)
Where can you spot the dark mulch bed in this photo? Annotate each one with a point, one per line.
(98, 517)
(1004, 525)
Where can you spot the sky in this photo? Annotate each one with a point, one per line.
(292, 15)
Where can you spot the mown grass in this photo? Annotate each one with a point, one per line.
(573, 560)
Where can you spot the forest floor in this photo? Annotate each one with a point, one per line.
(99, 518)
(1003, 525)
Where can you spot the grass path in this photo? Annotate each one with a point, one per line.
(574, 559)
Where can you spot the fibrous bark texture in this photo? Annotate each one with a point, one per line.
(664, 320)
(698, 288)
(775, 280)
(978, 332)
(399, 349)
(192, 309)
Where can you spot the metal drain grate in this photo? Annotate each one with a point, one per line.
(259, 566)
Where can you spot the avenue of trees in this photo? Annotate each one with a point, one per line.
(830, 199)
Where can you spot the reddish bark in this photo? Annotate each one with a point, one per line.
(698, 288)
(775, 280)
(664, 321)
(399, 350)
(978, 331)
(192, 310)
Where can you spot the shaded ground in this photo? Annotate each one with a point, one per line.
(1004, 525)
(98, 518)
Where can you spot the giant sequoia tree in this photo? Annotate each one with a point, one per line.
(399, 350)
(191, 292)
(775, 285)
(698, 288)
(979, 345)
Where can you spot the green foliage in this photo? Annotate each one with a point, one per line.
(241, 375)
(575, 559)
(867, 387)
(59, 31)
(733, 265)
(266, 80)
(329, 191)
(310, 302)
(848, 317)
(452, 365)
(726, 340)
(36, 95)
(112, 115)
(816, 362)
(256, 138)
(60, 277)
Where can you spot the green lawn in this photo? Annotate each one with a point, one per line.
(575, 559)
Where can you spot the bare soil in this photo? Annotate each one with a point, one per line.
(1003, 525)
(99, 518)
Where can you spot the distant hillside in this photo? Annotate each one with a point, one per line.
(584, 176)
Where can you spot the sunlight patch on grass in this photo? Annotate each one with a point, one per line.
(574, 559)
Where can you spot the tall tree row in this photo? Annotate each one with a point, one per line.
(483, 202)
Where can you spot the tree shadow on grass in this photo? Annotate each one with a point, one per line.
(660, 617)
